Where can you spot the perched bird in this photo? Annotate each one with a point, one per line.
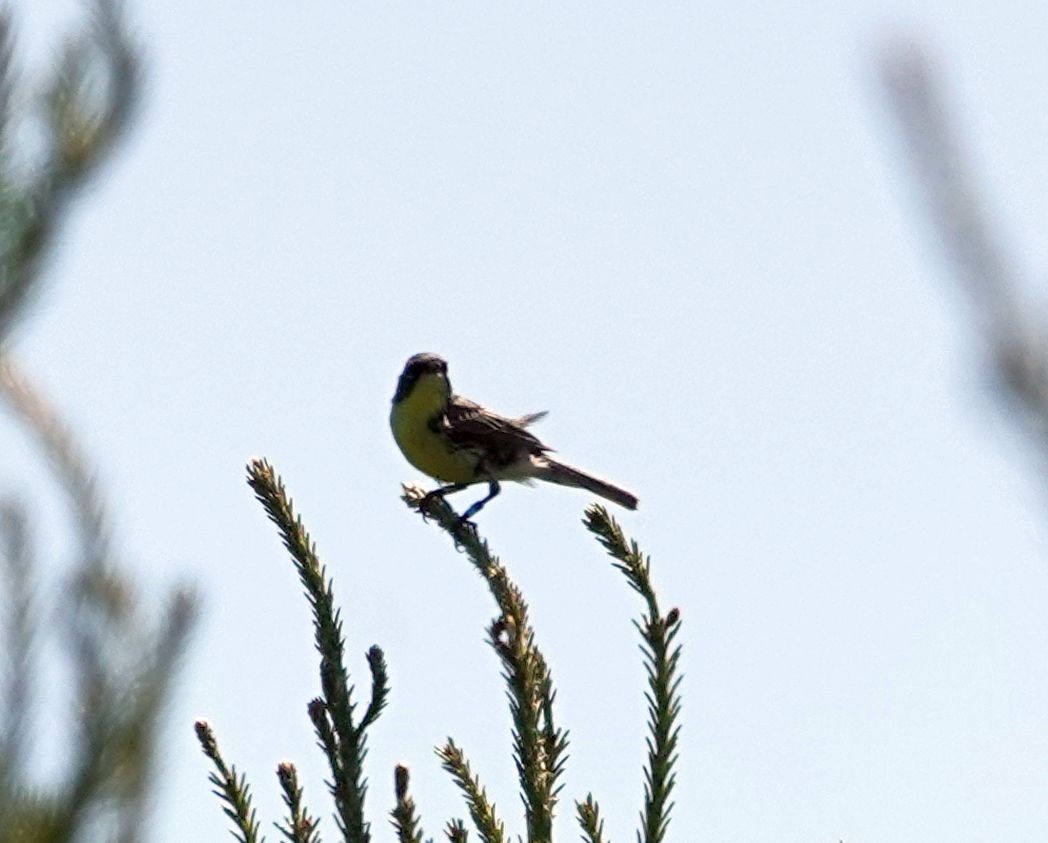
(461, 443)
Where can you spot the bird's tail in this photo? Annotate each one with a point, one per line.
(565, 475)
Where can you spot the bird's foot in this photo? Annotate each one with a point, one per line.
(463, 523)
(425, 503)
(428, 498)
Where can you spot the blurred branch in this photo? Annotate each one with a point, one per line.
(122, 666)
(92, 95)
(65, 457)
(19, 613)
(86, 107)
(146, 691)
(1015, 340)
(123, 678)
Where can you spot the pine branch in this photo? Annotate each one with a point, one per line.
(230, 788)
(68, 462)
(19, 614)
(88, 116)
(122, 667)
(539, 746)
(7, 84)
(99, 610)
(342, 740)
(122, 671)
(120, 681)
(146, 696)
(87, 106)
(1013, 334)
(590, 820)
(379, 687)
(325, 732)
(488, 825)
(405, 819)
(456, 832)
(661, 658)
(298, 826)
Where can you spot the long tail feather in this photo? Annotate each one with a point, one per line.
(565, 475)
(531, 418)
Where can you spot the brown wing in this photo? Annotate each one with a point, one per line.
(498, 440)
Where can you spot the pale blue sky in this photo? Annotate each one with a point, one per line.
(685, 231)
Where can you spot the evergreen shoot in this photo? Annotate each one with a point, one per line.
(539, 746)
(299, 826)
(661, 656)
(333, 714)
(539, 743)
(405, 818)
(589, 820)
(230, 788)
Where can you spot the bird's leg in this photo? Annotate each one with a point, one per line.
(493, 489)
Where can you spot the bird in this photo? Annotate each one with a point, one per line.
(461, 443)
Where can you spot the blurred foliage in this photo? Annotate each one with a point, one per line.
(1009, 324)
(120, 664)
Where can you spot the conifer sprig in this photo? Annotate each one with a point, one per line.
(298, 825)
(379, 687)
(661, 658)
(490, 828)
(230, 788)
(404, 815)
(539, 746)
(342, 739)
(326, 739)
(456, 832)
(590, 820)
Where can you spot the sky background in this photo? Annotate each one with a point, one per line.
(687, 231)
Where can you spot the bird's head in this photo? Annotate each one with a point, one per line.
(431, 369)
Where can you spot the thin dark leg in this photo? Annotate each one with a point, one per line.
(493, 489)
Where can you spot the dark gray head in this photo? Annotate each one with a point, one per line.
(418, 365)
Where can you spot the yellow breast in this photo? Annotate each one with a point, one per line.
(424, 448)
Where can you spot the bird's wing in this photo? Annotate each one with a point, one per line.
(500, 441)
